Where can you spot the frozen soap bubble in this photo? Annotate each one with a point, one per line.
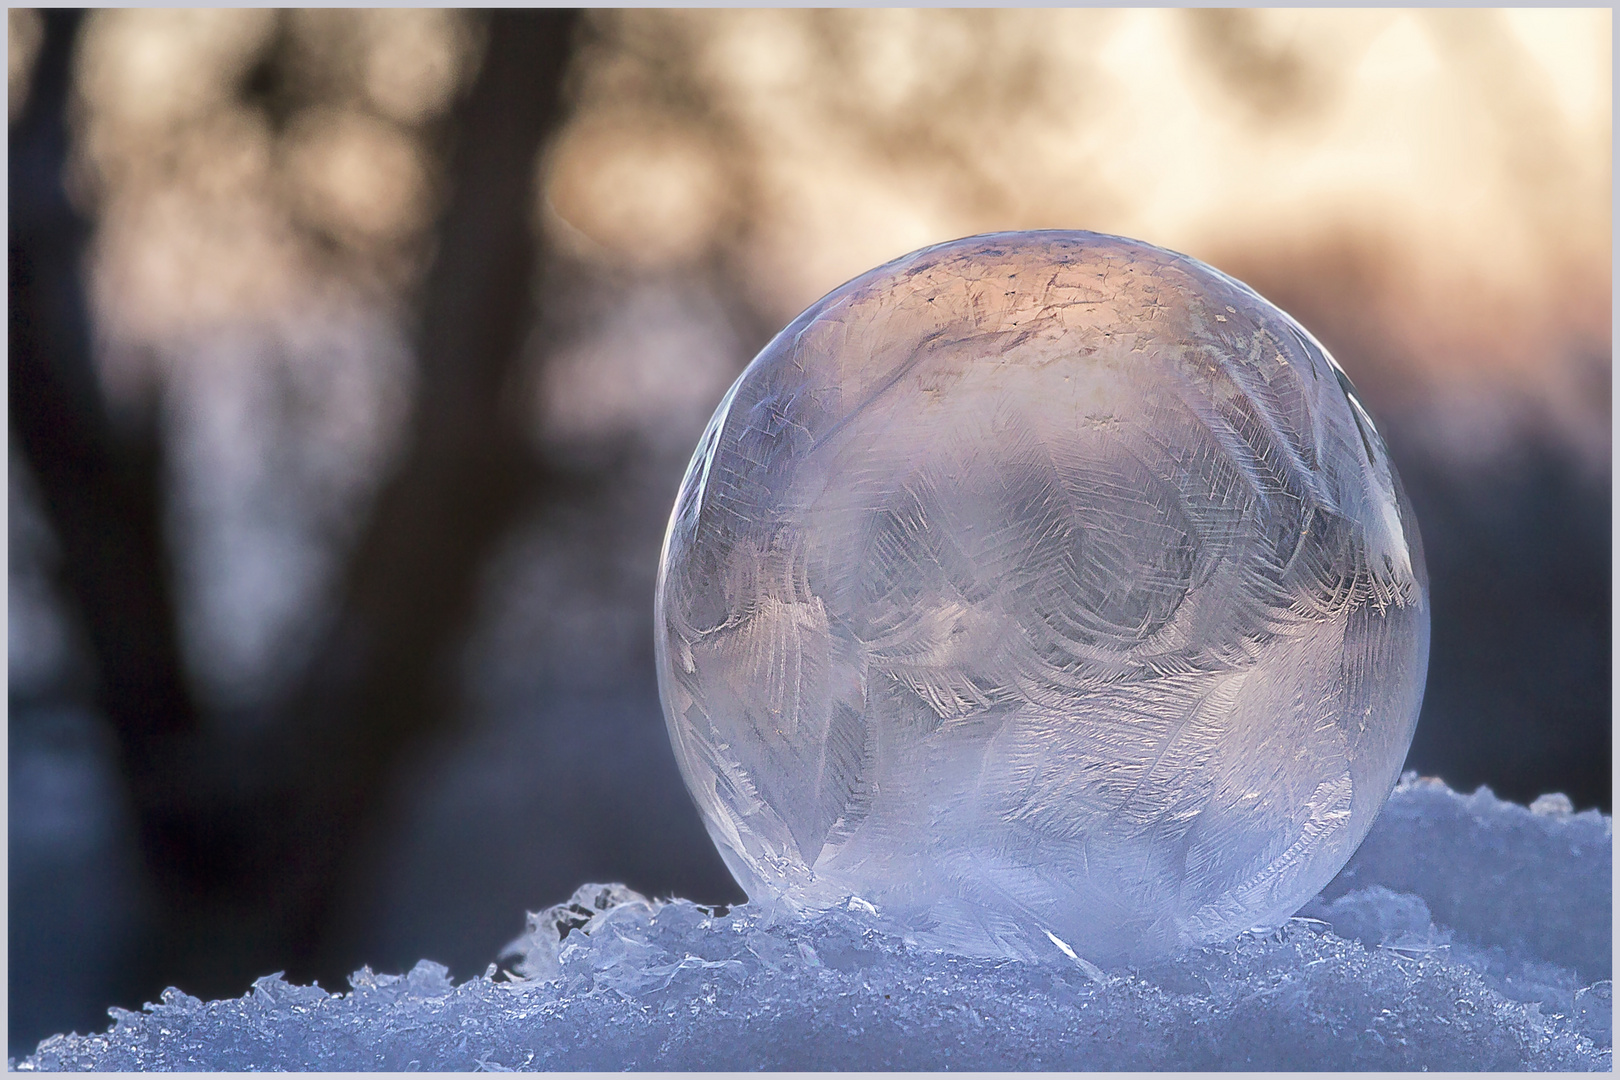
(1042, 587)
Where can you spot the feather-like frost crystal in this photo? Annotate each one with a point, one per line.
(1042, 589)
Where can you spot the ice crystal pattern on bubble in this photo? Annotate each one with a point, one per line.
(1037, 588)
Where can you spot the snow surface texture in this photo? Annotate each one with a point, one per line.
(1043, 584)
(1466, 933)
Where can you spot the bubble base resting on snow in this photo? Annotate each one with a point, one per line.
(1371, 976)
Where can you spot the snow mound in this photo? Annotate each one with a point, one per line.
(1466, 934)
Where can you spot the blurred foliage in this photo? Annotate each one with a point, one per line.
(1463, 156)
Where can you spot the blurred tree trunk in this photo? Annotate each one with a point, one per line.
(387, 674)
(101, 485)
(251, 845)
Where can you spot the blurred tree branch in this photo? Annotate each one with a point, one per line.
(252, 843)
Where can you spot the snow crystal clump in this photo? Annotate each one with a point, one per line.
(1466, 934)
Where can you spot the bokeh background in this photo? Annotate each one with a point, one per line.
(355, 357)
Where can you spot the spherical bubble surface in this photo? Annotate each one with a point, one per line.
(1042, 586)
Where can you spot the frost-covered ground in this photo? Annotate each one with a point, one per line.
(1467, 933)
